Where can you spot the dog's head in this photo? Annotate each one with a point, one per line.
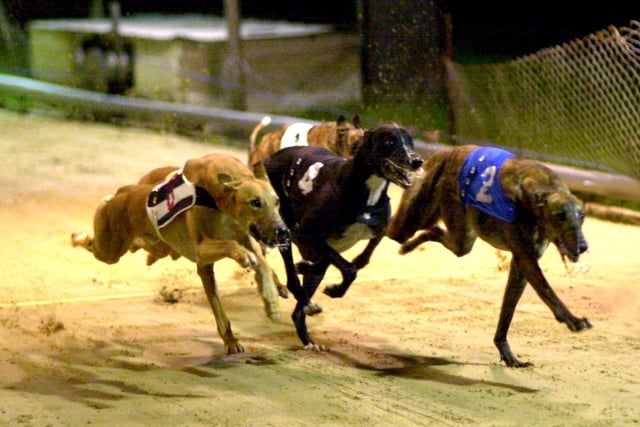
(256, 207)
(563, 216)
(388, 149)
(349, 136)
(558, 213)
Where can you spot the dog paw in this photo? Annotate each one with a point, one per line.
(82, 240)
(283, 292)
(248, 260)
(312, 308)
(360, 262)
(308, 267)
(334, 291)
(233, 347)
(273, 315)
(405, 248)
(315, 347)
(577, 325)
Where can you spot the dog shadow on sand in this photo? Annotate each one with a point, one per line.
(394, 363)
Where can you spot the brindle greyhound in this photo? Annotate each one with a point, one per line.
(330, 203)
(214, 208)
(514, 204)
(340, 136)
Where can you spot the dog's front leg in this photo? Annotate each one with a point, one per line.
(515, 287)
(266, 279)
(302, 299)
(231, 344)
(209, 251)
(533, 273)
(300, 321)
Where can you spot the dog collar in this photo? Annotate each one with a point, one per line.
(479, 183)
(203, 198)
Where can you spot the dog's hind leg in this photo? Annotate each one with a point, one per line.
(362, 259)
(434, 234)
(231, 344)
(349, 273)
(313, 273)
(112, 237)
(458, 235)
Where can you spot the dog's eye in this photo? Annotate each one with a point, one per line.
(561, 216)
(256, 203)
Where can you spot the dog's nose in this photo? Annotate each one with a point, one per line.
(283, 234)
(415, 162)
(583, 246)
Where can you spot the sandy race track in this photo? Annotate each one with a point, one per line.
(84, 343)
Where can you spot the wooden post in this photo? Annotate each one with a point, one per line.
(449, 72)
(5, 29)
(235, 59)
(96, 9)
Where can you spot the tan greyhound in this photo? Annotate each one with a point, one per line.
(213, 208)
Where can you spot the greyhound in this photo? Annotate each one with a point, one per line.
(515, 204)
(213, 208)
(341, 137)
(330, 203)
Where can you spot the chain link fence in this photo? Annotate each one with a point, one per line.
(576, 103)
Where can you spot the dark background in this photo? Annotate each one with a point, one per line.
(483, 28)
(402, 40)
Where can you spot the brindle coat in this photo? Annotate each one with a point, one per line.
(341, 137)
(545, 212)
(246, 215)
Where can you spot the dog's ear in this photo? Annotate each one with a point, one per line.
(532, 194)
(228, 183)
(341, 120)
(356, 122)
(540, 197)
(260, 171)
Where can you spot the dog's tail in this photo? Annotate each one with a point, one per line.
(266, 120)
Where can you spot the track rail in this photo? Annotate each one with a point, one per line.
(224, 120)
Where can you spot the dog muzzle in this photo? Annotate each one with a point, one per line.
(281, 237)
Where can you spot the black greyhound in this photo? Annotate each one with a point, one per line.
(330, 203)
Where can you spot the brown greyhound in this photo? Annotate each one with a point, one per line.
(341, 137)
(158, 175)
(213, 208)
(514, 204)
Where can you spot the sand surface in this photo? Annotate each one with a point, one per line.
(84, 343)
